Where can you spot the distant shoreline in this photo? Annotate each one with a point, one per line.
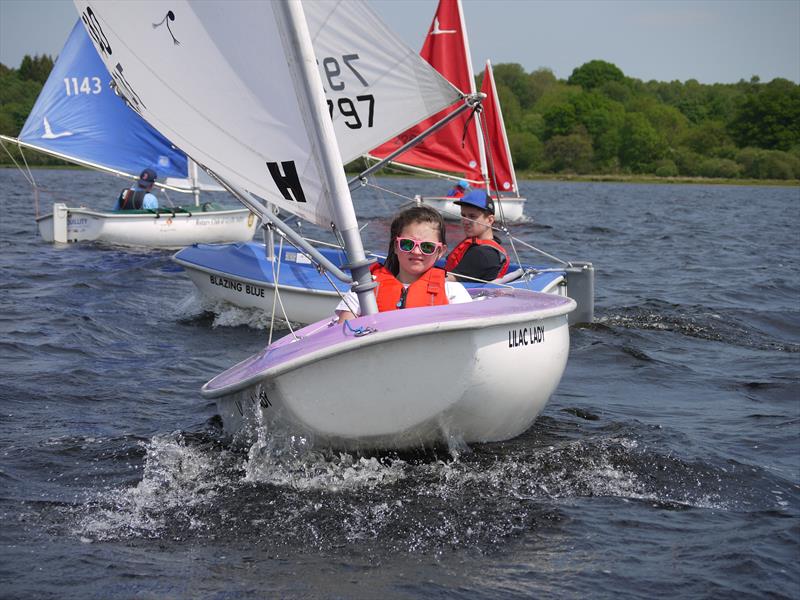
(589, 178)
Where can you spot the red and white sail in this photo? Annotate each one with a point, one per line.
(456, 147)
(501, 170)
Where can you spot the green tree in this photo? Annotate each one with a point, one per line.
(560, 120)
(513, 76)
(706, 137)
(641, 145)
(571, 153)
(532, 122)
(526, 149)
(37, 68)
(602, 118)
(769, 118)
(768, 164)
(670, 123)
(540, 81)
(595, 73)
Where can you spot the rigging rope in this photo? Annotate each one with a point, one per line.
(276, 295)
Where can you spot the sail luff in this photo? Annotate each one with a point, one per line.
(502, 123)
(503, 176)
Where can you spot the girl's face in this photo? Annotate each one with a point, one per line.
(414, 264)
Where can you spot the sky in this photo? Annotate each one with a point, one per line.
(712, 41)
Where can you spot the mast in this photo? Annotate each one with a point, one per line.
(310, 94)
(193, 179)
(472, 90)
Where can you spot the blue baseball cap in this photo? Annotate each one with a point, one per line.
(463, 183)
(147, 178)
(479, 199)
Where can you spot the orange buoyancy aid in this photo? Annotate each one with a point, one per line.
(459, 251)
(391, 294)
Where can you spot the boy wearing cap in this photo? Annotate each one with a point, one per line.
(138, 196)
(480, 255)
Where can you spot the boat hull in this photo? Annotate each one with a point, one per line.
(479, 372)
(513, 209)
(162, 230)
(242, 275)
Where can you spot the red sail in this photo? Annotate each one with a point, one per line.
(498, 154)
(451, 148)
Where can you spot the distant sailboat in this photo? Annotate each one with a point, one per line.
(461, 146)
(95, 128)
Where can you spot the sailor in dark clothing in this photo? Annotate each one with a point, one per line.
(480, 255)
(138, 196)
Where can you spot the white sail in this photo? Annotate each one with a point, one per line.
(214, 79)
(367, 70)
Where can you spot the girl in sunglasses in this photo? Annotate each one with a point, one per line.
(408, 279)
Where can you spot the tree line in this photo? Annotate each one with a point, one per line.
(598, 121)
(19, 89)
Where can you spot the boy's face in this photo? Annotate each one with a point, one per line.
(476, 223)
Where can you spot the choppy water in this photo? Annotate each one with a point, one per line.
(666, 464)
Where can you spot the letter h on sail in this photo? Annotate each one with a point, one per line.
(288, 182)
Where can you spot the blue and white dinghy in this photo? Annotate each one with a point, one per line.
(474, 372)
(79, 118)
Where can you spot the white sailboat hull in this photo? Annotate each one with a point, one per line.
(476, 380)
(513, 209)
(164, 230)
(302, 305)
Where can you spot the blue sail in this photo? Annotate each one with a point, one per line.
(78, 117)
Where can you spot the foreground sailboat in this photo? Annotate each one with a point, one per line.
(463, 147)
(475, 372)
(79, 118)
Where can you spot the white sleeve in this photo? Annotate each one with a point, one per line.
(349, 303)
(456, 293)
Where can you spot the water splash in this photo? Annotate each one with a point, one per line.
(177, 477)
(283, 494)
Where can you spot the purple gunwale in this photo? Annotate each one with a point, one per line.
(490, 307)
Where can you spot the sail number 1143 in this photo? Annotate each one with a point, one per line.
(88, 85)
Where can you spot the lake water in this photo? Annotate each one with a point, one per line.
(667, 464)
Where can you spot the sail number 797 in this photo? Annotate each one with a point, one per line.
(354, 110)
